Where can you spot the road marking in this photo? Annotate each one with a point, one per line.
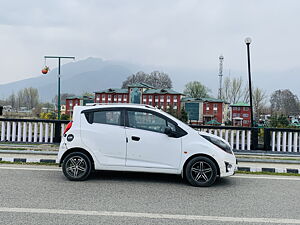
(29, 168)
(151, 215)
(271, 177)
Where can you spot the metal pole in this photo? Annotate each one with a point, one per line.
(250, 86)
(58, 88)
(58, 95)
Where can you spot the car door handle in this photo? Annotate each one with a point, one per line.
(135, 138)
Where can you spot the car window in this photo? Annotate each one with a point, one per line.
(148, 121)
(107, 117)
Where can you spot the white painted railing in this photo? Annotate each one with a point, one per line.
(238, 139)
(285, 141)
(39, 131)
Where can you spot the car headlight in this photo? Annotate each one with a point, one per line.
(221, 144)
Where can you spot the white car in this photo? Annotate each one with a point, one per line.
(141, 138)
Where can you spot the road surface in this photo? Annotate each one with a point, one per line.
(42, 195)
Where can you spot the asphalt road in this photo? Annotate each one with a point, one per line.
(42, 195)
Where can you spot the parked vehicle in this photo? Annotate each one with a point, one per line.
(141, 138)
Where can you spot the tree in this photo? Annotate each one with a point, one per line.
(284, 102)
(234, 91)
(279, 121)
(63, 98)
(259, 101)
(12, 100)
(195, 89)
(156, 79)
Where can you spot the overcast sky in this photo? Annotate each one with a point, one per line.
(172, 33)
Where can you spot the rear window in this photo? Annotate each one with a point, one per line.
(112, 117)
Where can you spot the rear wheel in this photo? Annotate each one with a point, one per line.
(201, 172)
(77, 166)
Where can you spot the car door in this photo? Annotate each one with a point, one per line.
(103, 132)
(148, 146)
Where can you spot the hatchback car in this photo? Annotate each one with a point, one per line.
(141, 138)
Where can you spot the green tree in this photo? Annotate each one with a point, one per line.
(279, 121)
(65, 117)
(195, 89)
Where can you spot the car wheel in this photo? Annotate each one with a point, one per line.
(201, 172)
(77, 166)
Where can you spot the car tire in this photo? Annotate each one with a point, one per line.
(201, 172)
(77, 166)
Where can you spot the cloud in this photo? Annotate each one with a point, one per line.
(171, 33)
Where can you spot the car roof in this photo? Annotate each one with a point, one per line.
(115, 105)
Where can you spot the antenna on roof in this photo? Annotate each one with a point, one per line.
(221, 58)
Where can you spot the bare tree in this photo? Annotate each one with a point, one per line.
(259, 101)
(63, 98)
(284, 102)
(234, 91)
(156, 79)
(195, 89)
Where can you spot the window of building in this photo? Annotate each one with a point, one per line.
(71, 103)
(245, 115)
(245, 121)
(162, 98)
(150, 97)
(246, 108)
(109, 96)
(168, 97)
(156, 98)
(238, 108)
(234, 114)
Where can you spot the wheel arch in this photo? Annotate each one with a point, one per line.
(203, 155)
(77, 149)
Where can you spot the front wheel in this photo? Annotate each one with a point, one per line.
(77, 166)
(201, 172)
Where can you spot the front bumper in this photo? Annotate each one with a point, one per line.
(228, 166)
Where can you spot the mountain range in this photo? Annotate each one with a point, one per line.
(93, 74)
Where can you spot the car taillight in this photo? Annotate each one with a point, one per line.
(69, 125)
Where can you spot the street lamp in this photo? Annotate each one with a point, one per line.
(248, 42)
(58, 76)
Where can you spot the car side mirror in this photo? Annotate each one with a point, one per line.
(169, 132)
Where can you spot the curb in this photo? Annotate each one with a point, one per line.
(268, 161)
(272, 170)
(27, 160)
(32, 152)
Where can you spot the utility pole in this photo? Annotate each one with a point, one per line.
(221, 58)
(58, 76)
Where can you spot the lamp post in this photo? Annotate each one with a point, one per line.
(248, 42)
(58, 76)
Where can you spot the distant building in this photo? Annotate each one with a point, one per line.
(241, 114)
(205, 110)
(141, 93)
(78, 100)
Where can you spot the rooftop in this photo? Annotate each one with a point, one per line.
(161, 91)
(189, 99)
(81, 97)
(240, 104)
(113, 90)
(140, 85)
